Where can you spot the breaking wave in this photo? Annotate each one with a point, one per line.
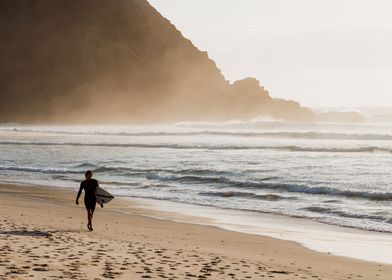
(344, 214)
(292, 148)
(239, 133)
(249, 195)
(264, 184)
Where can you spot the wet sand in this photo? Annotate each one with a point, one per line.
(43, 235)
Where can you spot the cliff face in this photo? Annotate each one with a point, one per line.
(111, 61)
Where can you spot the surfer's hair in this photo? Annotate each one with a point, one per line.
(88, 172)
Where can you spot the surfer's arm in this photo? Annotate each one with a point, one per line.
(96, 191)
(96, 186)
(79, 193)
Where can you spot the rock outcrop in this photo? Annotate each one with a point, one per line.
(115, 61)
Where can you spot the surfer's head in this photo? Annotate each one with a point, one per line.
(88, 174)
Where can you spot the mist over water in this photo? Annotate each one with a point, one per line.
(333, 173)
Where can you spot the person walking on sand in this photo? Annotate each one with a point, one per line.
(90, 187)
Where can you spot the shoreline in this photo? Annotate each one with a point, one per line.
(371, 246)
(323, 238)
(129, 239)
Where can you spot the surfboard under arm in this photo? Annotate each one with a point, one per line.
(102, 196)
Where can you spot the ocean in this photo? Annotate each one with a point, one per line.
(337, 174)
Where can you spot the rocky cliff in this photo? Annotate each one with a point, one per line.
(115, 61)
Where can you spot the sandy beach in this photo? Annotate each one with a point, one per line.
(43, 235)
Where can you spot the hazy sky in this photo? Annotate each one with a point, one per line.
(319, 52)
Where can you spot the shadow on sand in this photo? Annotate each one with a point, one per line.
(36, 233)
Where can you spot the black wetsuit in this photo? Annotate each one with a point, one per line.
(89, 187)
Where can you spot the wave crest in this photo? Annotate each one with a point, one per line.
(264, 184)
(367, 149)
(249, 195)
(344, 214)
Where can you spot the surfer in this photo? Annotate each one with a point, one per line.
(90, 187)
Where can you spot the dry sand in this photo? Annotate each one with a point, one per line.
(43, 235)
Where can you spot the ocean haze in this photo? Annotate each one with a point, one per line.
(333, 53)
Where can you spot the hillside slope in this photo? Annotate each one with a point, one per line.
(115, 61)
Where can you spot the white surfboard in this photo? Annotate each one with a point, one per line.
(103, 196)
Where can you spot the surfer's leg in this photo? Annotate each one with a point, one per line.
(92, 208)
(89, 216)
